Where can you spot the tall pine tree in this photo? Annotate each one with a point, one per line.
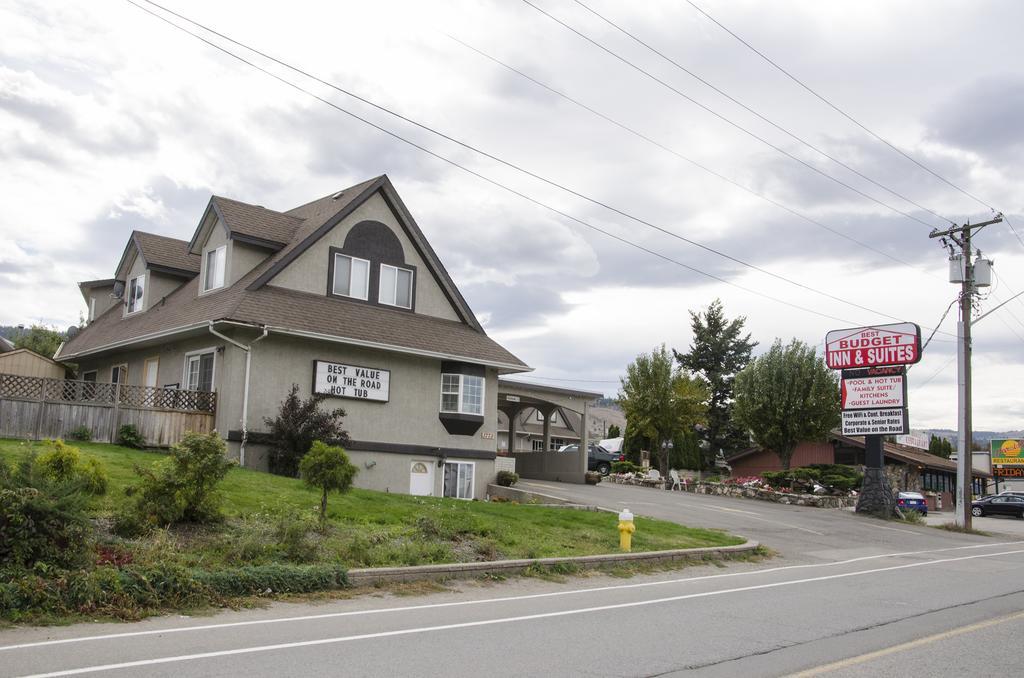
(718, 352)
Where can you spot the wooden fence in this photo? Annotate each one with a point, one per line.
(39, 407)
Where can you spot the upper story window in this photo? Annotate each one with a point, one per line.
(395, 286)
(553, 419)
(351, 277)
(462, 394)
(136, 289)
(215, 263)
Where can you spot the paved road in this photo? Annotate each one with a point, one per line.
(844, 598)
(798, 534)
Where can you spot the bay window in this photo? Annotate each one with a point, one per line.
(462, 394)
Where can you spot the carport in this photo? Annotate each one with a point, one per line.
(514, 397)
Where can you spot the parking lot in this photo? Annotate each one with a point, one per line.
(995, 524)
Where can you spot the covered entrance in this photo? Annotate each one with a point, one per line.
(515, 397)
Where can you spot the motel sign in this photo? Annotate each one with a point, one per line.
(894, 344)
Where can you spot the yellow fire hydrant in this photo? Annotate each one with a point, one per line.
(626, 530)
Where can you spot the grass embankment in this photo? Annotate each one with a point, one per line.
(270, 519)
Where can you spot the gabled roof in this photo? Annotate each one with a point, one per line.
(163, 254)
(6, 345)
(32, 353)
(250, 301)
(90, 284)
(254, 223)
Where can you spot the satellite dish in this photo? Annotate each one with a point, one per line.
(72, 332)
(118, 289)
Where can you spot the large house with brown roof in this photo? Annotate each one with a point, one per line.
(343, 295)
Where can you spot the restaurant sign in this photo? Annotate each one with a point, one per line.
(351, 381)
(1007, 452)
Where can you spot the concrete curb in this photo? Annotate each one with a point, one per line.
(366, 576)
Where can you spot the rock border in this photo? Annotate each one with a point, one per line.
(382, 575)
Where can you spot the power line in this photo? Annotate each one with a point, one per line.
(490, 156)
(754, 112)
(727, 120)
(1019, 239)
(683, 157)
(936, 373)
(841, 111)
(481, 176)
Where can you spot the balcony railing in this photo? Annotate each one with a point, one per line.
(44, 389)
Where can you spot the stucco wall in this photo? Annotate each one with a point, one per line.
(242, 258)
(103, 300)
(159, 286)
(411, 415)
(308, 272)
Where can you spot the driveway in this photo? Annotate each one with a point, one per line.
(797, 533)
(1004, 525)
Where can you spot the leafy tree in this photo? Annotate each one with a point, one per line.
(43, 340)
(613, 431)
(327, 468)
(785, 397)
(297, 424)
(718, 352)
(660, 400)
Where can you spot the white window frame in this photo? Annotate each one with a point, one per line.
(380, 286)
(213, 373)
(462, 383)
(117, 367)
(220, 253)
(472, 480)
(145, 371)
(92, 308)
(334, 276)
(131, 296)
(537, 445)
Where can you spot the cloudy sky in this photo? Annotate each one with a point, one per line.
(112, 120)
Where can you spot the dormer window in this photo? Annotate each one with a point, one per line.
(136, 289)
(351, 277)
(214, 276)
(395, 286)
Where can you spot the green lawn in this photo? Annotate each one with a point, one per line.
(268, 516)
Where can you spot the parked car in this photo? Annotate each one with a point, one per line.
(913, 501)
(999, 505)
(598, 458)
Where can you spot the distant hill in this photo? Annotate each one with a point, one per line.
(982, 437)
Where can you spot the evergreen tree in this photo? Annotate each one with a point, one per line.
(718, 352)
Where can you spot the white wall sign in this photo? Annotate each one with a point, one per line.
(886, 422)
(866, 393)
(351, 381)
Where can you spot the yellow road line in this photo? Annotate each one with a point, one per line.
(927, 640)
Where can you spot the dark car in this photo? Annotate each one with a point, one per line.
(913, 501)
(999, 505)
(598, 458)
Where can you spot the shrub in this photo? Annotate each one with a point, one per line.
(592, 477)
(180, 489)
(129, 436)
(624, 467)
(507, 478)
(43, 524)
(296, 426)
(62, 463)
(293, 536)
(83, 433)
(327, 468)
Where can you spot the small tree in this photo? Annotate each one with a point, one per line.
(785, 397)
(660, 400)
(299, 423)
(613, 431)
(327, 468)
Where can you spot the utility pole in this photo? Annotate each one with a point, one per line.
(961, 235)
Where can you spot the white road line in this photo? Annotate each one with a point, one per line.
(732, 510)
(488, 601)
(501, 620)
(896, 529)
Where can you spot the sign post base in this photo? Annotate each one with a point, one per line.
(876, 496)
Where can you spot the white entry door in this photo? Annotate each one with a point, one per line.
(421, 478)
(152, 365)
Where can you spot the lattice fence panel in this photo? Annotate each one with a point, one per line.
(168, 399)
